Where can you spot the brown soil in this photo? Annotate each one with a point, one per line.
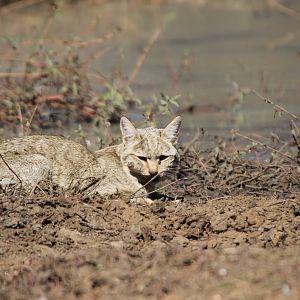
(63, 247)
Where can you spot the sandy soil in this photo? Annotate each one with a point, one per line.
(65, 247)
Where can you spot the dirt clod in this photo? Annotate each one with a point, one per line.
(74, 249)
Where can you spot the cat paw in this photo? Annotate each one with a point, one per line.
(141, 200)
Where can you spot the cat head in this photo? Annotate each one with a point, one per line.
(149, 151)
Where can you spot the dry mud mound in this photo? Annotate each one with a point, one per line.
(231, 231)
(61, 247)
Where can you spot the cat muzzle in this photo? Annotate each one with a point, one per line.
(152, 167)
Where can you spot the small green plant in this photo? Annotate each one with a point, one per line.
(164, 105)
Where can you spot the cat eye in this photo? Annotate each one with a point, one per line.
(163, 157)
(143, 158)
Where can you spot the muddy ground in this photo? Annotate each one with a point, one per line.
(229, 228)
(238, 246)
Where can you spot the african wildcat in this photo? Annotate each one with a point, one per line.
(122, 169)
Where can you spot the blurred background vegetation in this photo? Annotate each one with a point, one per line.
(74, 67)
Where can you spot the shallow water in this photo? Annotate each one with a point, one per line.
(219, 46)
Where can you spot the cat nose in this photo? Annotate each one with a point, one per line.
(153, 167)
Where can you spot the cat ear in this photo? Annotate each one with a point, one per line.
(129, 132)
(170, 133)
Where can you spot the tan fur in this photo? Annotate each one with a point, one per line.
(115, 170)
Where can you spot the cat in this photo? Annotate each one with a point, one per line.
(144, 156)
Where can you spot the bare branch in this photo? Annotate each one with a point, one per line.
(10, 169)
(278, 107)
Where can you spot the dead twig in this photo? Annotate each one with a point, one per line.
(28, 124)
(240, 183)
(283, 40)
(148, 182)
(296, 135)
(282, 8)
(192, 142)
(161, 188)
(264, 145)
(10, 169)
(19, 5)
(20, 115)
(21, 75)
(95, 41)
(94, 56)
(49, 98)
(8, 211)
(278, 107)
(219, 198)
(143, 55)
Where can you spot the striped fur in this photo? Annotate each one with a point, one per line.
(116, 170)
